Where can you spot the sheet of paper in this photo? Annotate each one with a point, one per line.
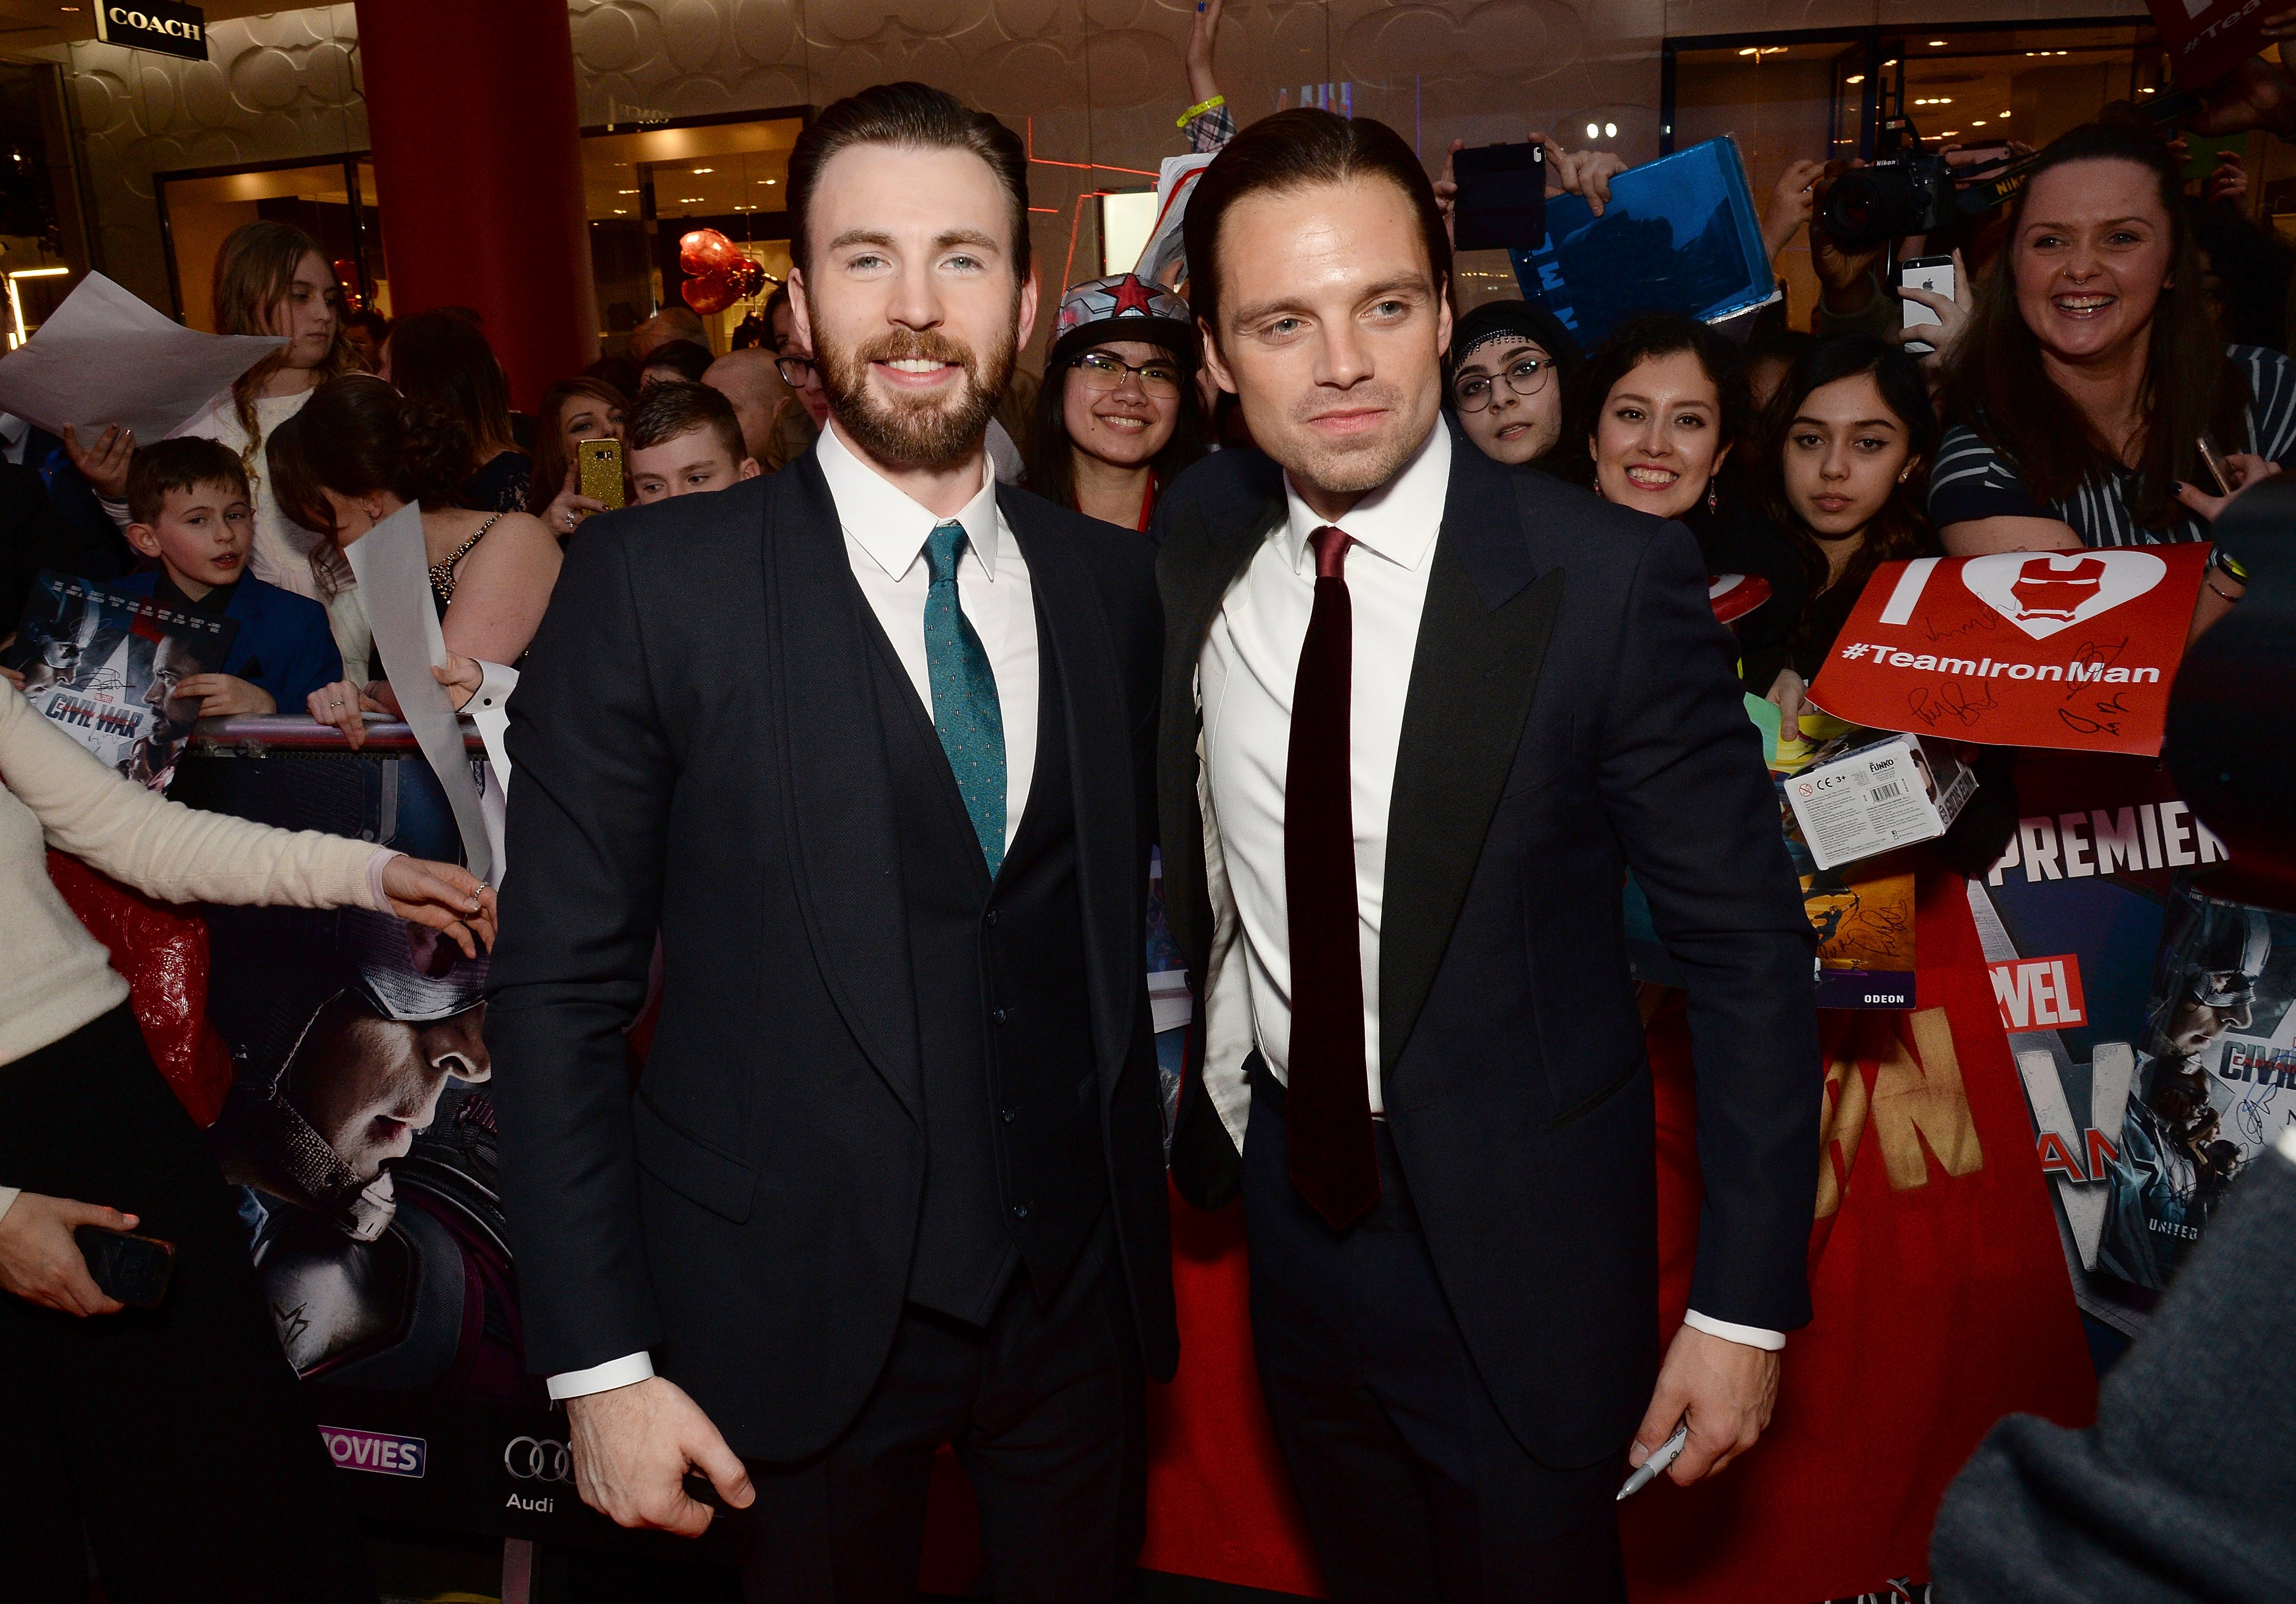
(106, 357)
(394, 576)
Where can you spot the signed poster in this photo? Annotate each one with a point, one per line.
(2073, 650)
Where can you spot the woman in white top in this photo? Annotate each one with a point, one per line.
(273, 278)
(170, 1441)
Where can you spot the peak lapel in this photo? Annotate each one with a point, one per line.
(1483, 639)
(836, 789)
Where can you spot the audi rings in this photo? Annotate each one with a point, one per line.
(539, 1460)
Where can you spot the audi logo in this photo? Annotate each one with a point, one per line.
(539, 1460)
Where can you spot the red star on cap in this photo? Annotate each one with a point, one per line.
(1132, 296)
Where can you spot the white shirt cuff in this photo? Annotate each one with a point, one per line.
(8, 1196)
(1752, 1336)
(496, 683)
(629, 1369)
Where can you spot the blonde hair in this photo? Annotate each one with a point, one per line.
(254, 273)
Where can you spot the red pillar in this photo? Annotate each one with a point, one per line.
(477, 166)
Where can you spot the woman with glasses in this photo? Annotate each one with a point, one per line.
(1511, 362)
(1117, 416)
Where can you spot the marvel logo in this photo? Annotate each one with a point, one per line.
(2039, 993)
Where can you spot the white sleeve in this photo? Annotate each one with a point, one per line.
(605, 1378)
(1752, 1336)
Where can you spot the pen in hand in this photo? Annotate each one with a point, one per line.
(1657, 1462)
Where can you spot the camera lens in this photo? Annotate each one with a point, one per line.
(1870, 205)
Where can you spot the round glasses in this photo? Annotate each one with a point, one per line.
(1526, 377)
(796, 372)
(1159, 381)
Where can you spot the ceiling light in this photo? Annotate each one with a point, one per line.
(1937, 43)
(1889, 63)
(688, 200)
(1855, 78)
(625, 192)
(620, 213)
(2145, 91)
(1748, 51)
(1610, 130)
(704, 169)
(2004, 114)
(769, 180)
(1977, 122)
(1593, 132)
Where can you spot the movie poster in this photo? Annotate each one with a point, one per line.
(2151, 1020)
(105, 667)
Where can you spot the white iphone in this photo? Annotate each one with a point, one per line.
(1931, 273)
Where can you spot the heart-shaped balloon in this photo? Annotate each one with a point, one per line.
(706, 250)
(709, 293)
(749, 278)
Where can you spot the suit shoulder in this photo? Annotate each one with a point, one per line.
(1573, 513)
(677, 534)
(1222, 479)
(1116, 555)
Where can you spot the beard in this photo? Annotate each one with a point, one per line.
(914, 432)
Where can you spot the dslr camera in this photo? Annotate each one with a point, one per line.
(1906, 190)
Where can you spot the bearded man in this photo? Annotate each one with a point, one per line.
(869, 741)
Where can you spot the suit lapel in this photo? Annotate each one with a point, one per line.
(1098, 725)
(1200, 556)
(1482, 638)
(837, 790)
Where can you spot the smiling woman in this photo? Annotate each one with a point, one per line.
(2091, 370)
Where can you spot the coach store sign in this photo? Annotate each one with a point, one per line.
(154, 25)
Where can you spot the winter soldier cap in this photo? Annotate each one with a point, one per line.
(1124, 307)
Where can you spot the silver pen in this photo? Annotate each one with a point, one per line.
(1657, 1462)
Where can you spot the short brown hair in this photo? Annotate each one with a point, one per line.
(1295, 150)
(916, 117)
(673, 407)
(179, 465)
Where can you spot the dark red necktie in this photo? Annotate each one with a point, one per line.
(1329, 1154)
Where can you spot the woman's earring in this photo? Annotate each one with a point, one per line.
(1713, 499)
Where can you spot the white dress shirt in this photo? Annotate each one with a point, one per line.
(1245, 679)
(885, 534)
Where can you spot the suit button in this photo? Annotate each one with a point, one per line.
(989, 919)
(1019, 1211)
(997, 1015)
(1008, 1115)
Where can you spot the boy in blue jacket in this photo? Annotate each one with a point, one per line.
(188, 506)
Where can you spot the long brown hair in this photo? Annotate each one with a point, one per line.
(550, 460)
(357, 436)
(1997, 386)
(254, 274)
(442, 359)
(1900, 530)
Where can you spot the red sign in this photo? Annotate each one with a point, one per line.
(2068, 649)
(2038, 993)
(2207, 39)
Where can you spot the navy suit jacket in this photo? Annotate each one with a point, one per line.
(283, 645)
(1572, 713)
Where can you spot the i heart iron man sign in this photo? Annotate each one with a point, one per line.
(2067, 649)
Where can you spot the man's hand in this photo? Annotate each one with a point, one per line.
(1790, 204)
(39, 1261)
(632, 1446)
(1726, 1388)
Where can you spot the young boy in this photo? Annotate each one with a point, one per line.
(682, 438)
(188, 506)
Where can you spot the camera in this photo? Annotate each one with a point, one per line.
(1906, 190)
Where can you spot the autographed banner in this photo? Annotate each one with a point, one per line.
(2073, 650)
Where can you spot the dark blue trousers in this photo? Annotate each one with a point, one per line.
(1413, 1487)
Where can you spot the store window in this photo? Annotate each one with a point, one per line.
(331, 200)
(1827, 95)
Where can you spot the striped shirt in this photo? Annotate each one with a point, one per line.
(1972, 480)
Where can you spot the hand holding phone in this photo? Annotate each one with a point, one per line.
(1502, 200)
(601, 470)
(127, 1268)
(1934, 274)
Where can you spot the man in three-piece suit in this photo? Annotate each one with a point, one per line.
(1420, 711)
(870, 742)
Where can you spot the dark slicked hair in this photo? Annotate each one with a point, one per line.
(664, 411)
(182, 464)
(913, 116)
(1297, 150)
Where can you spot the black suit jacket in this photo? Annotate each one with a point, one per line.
(695, 750)
(1572, 711)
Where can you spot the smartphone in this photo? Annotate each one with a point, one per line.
(2214, 462)
(125, 1267)
(601, 470)
(1931, 273)
(1502, 202)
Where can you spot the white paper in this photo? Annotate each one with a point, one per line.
(105, 357)
(394, 576)
(1175, 182)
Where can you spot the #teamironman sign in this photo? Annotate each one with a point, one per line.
(2074, 650)
(154, 25)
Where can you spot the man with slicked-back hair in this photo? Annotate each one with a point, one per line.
(869, 741)
(1421, 710)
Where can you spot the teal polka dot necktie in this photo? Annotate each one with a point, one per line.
(966, 715)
